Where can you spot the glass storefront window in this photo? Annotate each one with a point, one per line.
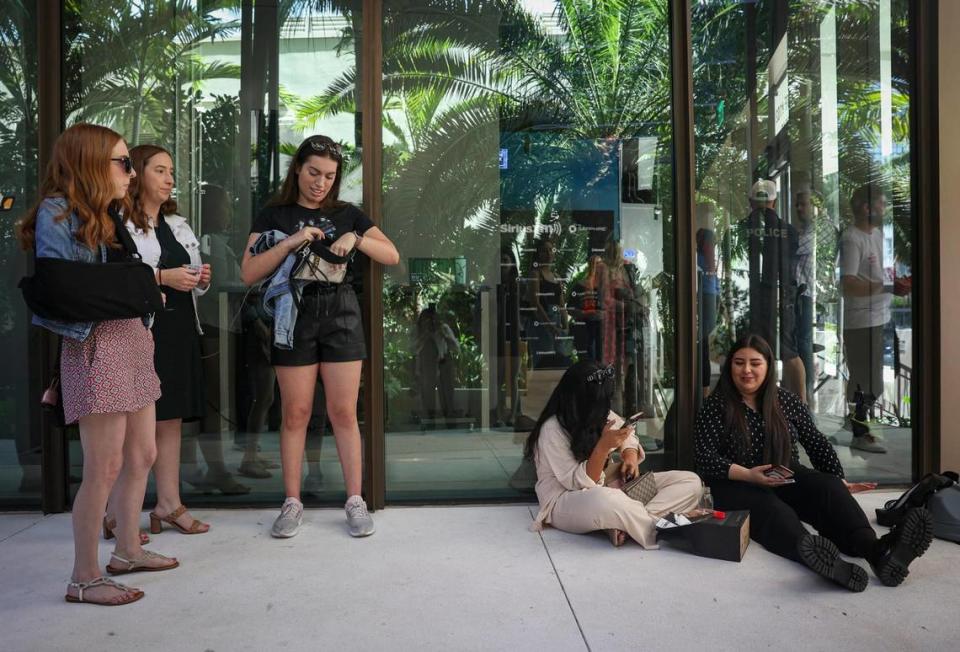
(19, 422)
(804, 211)
(231, 92)
(528, 187)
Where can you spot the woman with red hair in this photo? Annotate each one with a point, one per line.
(107, 379)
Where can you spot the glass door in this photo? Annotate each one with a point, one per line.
(805, 213)
(528, 186)
(231, 89)
(20, 480)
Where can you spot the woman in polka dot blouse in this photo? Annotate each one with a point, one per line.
(746, 428)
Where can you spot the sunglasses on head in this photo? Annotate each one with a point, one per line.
(324, 147)
(125, 162)
(601, 375)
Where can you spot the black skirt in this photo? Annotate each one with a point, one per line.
(177, 343)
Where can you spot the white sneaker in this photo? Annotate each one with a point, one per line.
(359, 521)
(291, 518)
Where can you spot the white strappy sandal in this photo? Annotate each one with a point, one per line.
(132, 594)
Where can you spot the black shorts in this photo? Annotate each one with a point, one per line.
(329, 328)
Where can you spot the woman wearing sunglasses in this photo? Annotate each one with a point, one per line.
(168, 245)
(570, 446)
(107, 379)
(314, 238)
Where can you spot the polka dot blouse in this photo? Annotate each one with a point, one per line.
(715, 449)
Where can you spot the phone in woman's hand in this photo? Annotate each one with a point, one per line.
(632, 421)
(779, 472)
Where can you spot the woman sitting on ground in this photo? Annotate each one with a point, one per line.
(746, 427)
(570, 446)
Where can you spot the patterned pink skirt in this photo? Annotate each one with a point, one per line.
(110, 371)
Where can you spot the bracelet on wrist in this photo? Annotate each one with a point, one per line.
(356, 245)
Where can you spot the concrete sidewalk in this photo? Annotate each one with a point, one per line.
(458, 578)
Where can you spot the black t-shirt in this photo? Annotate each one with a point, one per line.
(336, 220)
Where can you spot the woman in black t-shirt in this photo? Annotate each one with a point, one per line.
(328, 333)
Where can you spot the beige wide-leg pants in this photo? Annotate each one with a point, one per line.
(603, 508)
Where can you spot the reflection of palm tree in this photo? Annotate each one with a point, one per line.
(134, 63)
(18, 145)
(456, 77)
(18, 98)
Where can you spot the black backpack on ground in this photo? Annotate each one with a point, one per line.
(939, 493)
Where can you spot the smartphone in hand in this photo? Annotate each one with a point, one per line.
(780, 472)
(632, 421)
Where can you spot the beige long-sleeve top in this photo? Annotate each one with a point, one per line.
(558, 471)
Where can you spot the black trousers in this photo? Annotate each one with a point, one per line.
(819, 499)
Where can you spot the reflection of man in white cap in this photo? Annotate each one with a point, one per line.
(763, 194)
(772, 245)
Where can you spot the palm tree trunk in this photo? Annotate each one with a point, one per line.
(135, 129)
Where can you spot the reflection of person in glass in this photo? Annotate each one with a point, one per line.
(570, 445)
(709, 283)
(587, 299)
(255, 338)
(867, 291)
(167, 243)
(620, 308)
(436, 349)
(107, 380)
(545, 294)
(773, 246)
(216, 218)
(748, 426)
(508, 343)
(324, 317)
(806, 275)
(262, 381)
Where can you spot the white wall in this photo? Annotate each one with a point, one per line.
(949, 232)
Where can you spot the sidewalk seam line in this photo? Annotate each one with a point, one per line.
(10, 536)
(562, 587)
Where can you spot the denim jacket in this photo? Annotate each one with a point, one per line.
(278, 292)
(55, 239)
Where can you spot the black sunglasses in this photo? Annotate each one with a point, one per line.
(323, 147)
(125, 162)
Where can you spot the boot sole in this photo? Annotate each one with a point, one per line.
(822, 557)
(916, 533)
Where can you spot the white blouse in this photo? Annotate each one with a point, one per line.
(148, 246)
(558, 471)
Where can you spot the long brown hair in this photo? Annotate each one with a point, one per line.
(140, 156)
(777, 444)
(321, 146)
(79, 172)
